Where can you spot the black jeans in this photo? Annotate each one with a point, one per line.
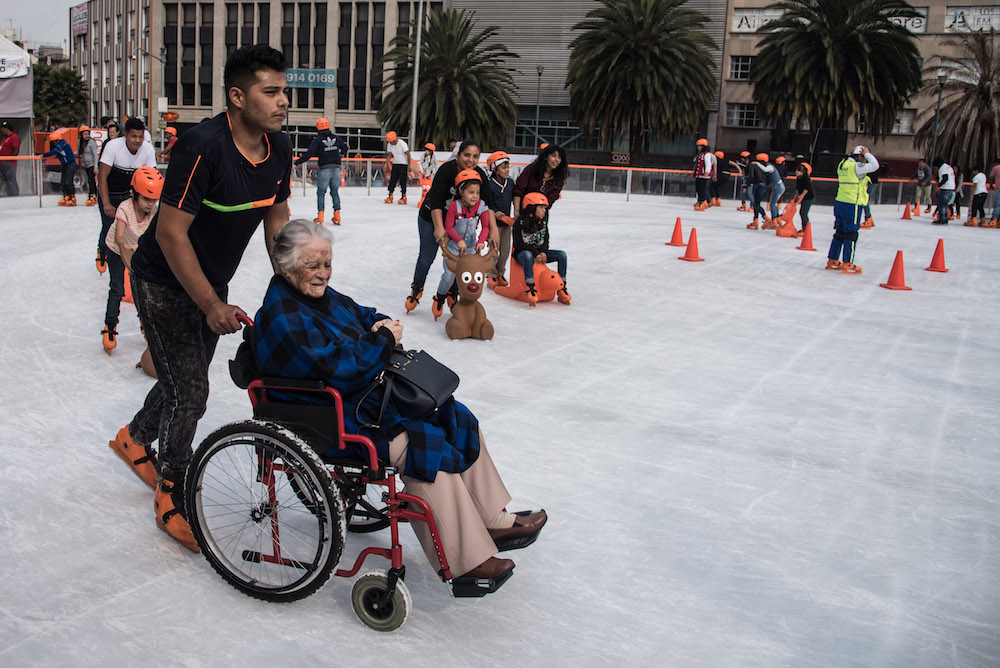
(91, 181)
(398, 175)
(182, 346)
(8, 174)
(116, 287)
(68, 170)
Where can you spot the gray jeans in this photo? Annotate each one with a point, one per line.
(182, 346)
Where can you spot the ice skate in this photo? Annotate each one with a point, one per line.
(833, 264)
(71, 200)
(991, 223)
(491, 282)
(928, 209)
(64, 201)
(319, 217)
(101, 261)
(140, 459)
(437, 305)
(850, 268)
(416, 292)
(388, 200)
(743, 207)
(716, 202)
(108, 336)
(169, 506)
(92, 200)
(502, 282)
(402, 200)
(336, 217)
(971, 222)
(563, 295)
(753, 225)
(869, 223)
(531, 295)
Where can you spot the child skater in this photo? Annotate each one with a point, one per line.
(502, 187)
(131, 219)
(531, 246)
(979, 192)
(804, 184)
(460, 226)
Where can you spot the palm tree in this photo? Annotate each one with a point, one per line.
(970, 110)
(640, 65)
(828, 60)
(60, 95)
(464, 90)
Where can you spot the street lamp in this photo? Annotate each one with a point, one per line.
(538, 101)
(942, 77)
(416, 75)
(163, 75)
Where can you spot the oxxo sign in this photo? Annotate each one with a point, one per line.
(308, 78)
(620, 157)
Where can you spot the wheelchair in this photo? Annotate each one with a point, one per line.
(270, 511)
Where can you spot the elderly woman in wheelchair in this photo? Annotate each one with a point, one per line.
(316, 349)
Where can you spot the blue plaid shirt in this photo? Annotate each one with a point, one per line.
(329, 338)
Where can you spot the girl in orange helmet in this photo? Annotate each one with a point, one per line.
(132, 218)
(460, 221)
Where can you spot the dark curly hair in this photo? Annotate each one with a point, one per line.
(560, 172)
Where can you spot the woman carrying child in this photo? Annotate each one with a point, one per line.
(531, 245)
(460, 225)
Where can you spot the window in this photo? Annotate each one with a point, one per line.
(232, 14)
(188, 93)
(189, 15)
(207, 12)
(206, 94)
(171, 14)
(739, 67)
(247, 15)
(904, 122)
(288, 15)
(742, 115)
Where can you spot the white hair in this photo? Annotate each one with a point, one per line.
(288, 242)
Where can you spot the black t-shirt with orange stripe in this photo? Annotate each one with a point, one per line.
(227, 193)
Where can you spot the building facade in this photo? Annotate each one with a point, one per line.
(144, 57)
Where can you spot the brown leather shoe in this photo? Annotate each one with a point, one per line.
(525, 531)
(491, 569)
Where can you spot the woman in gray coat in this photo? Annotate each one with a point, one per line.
(87, 158)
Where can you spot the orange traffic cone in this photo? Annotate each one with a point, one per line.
(937, 262)
(128, 289)
(807, 239)
(678, 238)
(343, 179)
(906, 214)
(897, 279)
(916, 211)
(692, 250)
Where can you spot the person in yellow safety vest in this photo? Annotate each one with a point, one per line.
(848, 208)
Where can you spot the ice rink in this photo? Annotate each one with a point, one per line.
(748, 461)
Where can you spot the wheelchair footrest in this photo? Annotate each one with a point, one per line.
(477, 587)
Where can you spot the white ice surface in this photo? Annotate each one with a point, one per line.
(748, 461)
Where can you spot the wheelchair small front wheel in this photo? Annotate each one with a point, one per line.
(367, 595)
(269, 539)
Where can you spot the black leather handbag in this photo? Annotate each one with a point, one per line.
(415, 383)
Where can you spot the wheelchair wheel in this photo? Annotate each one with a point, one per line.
(366, 511)
(266, 538)
(365, 595)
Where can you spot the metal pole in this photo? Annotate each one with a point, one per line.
(416, 76)
(628, 183)
(937, 114)
(163, 89)
(538, 102)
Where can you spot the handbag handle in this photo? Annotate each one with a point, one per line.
(382, 379)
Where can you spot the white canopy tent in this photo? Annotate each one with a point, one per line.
(16, 102)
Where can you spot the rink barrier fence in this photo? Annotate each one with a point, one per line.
(35, 179)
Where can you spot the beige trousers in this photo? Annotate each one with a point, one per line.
(464, 505)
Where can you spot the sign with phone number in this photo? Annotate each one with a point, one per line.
(308, 78)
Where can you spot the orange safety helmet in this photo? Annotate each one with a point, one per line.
(495, 157)
(83, 128)
(780, 159)
(701, 142)
(744, 154)
(720, 155)
(806, 166)
(544, 145)
(467, 175)
(148, 182)
(763, 157)
(170, 130)
(430, 147)
(390, 136)
(322, 124)
(534, 199)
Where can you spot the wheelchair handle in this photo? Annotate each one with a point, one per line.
(245, 320)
